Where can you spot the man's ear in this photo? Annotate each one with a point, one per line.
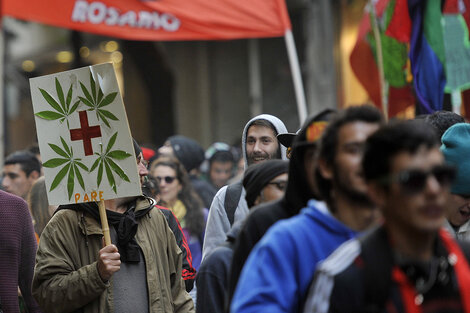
(325, 169)
(260, 198)
(257, 200)
(34, 175)
(376, 193)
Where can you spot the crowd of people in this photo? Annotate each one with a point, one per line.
(350, 213)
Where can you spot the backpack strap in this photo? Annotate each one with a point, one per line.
(232, 197)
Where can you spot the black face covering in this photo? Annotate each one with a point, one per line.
(125, 225)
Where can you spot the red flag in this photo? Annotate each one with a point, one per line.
(400, 25)
(363, 59)
(159, 19)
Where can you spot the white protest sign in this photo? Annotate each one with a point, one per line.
(84, 137)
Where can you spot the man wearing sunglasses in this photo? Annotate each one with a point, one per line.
(278, 271)
(408, 264)
(456, 149)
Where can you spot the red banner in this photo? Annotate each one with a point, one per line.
(159, 19)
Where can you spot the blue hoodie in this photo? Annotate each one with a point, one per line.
(279, 270)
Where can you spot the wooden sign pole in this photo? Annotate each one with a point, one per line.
(104, 222)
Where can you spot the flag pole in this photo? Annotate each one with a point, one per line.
(456, 97)
(380, 62)
(296, 75)
(104, 223)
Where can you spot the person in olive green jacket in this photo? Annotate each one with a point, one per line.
(140, 272)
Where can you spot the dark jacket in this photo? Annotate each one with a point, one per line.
(364, 276)
(212, 277)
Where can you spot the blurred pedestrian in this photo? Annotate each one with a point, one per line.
(408, 264)
(39, 205)
(442, 120)
(17, 251)
(20, 171)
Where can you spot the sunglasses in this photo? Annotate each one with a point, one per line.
(414, 181)
(280, 184)
(167, 179)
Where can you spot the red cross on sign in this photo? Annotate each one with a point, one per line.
(85, 133)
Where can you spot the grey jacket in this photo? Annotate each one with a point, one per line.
(218, 224)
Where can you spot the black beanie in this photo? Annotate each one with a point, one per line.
(187, 151)
(257, 176)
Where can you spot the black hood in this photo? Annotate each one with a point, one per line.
(298, 191)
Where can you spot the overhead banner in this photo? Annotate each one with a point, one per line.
(84, 136)
(159, 19)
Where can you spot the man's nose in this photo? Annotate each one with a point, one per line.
(432, 185)
(5, 182)
(257, 146)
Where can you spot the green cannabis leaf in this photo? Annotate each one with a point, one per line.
(96, 100)
(63, 108)
(105, 162)
(71, 167)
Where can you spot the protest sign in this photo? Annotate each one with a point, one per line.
(84, 137)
